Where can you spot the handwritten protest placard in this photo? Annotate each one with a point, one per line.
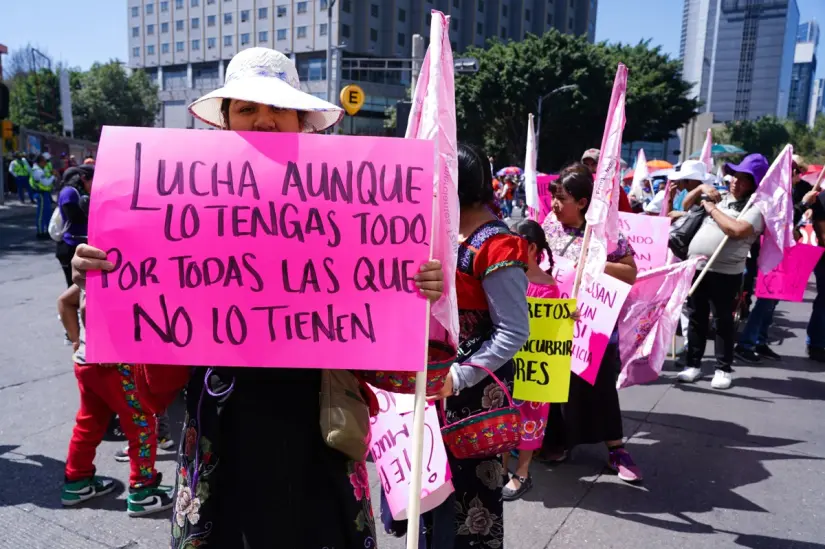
(599, 308)
(543, 363)
(564, 272)
(648, 234)
(545, 197)
(787, 282)
(259, 249)
(391, 447)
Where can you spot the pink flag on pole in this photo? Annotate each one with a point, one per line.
(433, 117)
(773, 198)
(603, 213)
(707, 148)
(648, 321)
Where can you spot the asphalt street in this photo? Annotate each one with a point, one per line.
(741, 468)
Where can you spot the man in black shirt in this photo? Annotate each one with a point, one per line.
(807, 197)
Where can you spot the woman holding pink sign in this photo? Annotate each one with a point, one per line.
(592, 413)
(254, 470)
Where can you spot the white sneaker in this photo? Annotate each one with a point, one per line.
(689, 375)
(721, 380)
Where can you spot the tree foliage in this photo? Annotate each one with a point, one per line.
(768, 135)
(107, 95)
(34, 101)
(493, 104)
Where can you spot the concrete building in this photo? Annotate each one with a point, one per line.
(804, 70)
(739, 55)
(185, 45)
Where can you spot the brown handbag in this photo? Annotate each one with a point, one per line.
(345, 414)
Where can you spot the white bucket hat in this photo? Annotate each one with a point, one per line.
(691, 169)
(268, 77)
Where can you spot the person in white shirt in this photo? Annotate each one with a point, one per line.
(41, 185)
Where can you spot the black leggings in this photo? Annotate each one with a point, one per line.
(720, 291)
(64, 254)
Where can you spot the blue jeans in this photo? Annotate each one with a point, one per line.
(760, 319)
(816, 325)
(22, 183)
(44, 211)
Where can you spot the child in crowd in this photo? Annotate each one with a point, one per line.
(533, 414)
(107, 389)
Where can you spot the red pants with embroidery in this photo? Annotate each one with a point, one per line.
(105, 390)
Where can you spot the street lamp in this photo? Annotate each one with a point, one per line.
(560, 89)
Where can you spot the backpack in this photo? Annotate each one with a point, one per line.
(57, 226)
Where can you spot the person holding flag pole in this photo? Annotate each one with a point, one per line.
(756, 203)
(584, 227)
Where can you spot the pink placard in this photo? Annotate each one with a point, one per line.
(787, 282)
(599, 308)
(648, 234)
(259, 249)
(391, 448)
(545, 197)
(564, 271)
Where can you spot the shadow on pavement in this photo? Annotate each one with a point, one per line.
(796, 387)
(686, 472)
(17, 236)
(767, 542)
(37, 480)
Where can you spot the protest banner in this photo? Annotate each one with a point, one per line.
(564, 272)
(542, 366)
(545, 197)
(648, 321)
(787, 282)
(391, 449)
(599, 307)
(259, 249)
(648, 234)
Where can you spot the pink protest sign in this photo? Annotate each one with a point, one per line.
(391, 447)
(259, 249)
(787, 282)
(545, 197)
(648, 234)
(564, 271)
(599, 308)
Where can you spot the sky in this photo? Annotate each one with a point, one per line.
(96, 30)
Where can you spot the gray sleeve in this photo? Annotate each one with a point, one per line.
(754, 217)
(506, 291)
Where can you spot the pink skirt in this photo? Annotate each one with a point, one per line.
(533, 423)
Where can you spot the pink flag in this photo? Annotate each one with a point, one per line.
(603, 213)
(706, 155)
(648, 321)
(433, 117)
(773, 198)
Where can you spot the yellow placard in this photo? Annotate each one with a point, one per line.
(352, 98)
(543, 363)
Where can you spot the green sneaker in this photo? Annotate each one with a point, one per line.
(149, 500)
(83, 490)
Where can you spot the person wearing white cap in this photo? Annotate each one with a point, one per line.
(254, 470)
(691, 175)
